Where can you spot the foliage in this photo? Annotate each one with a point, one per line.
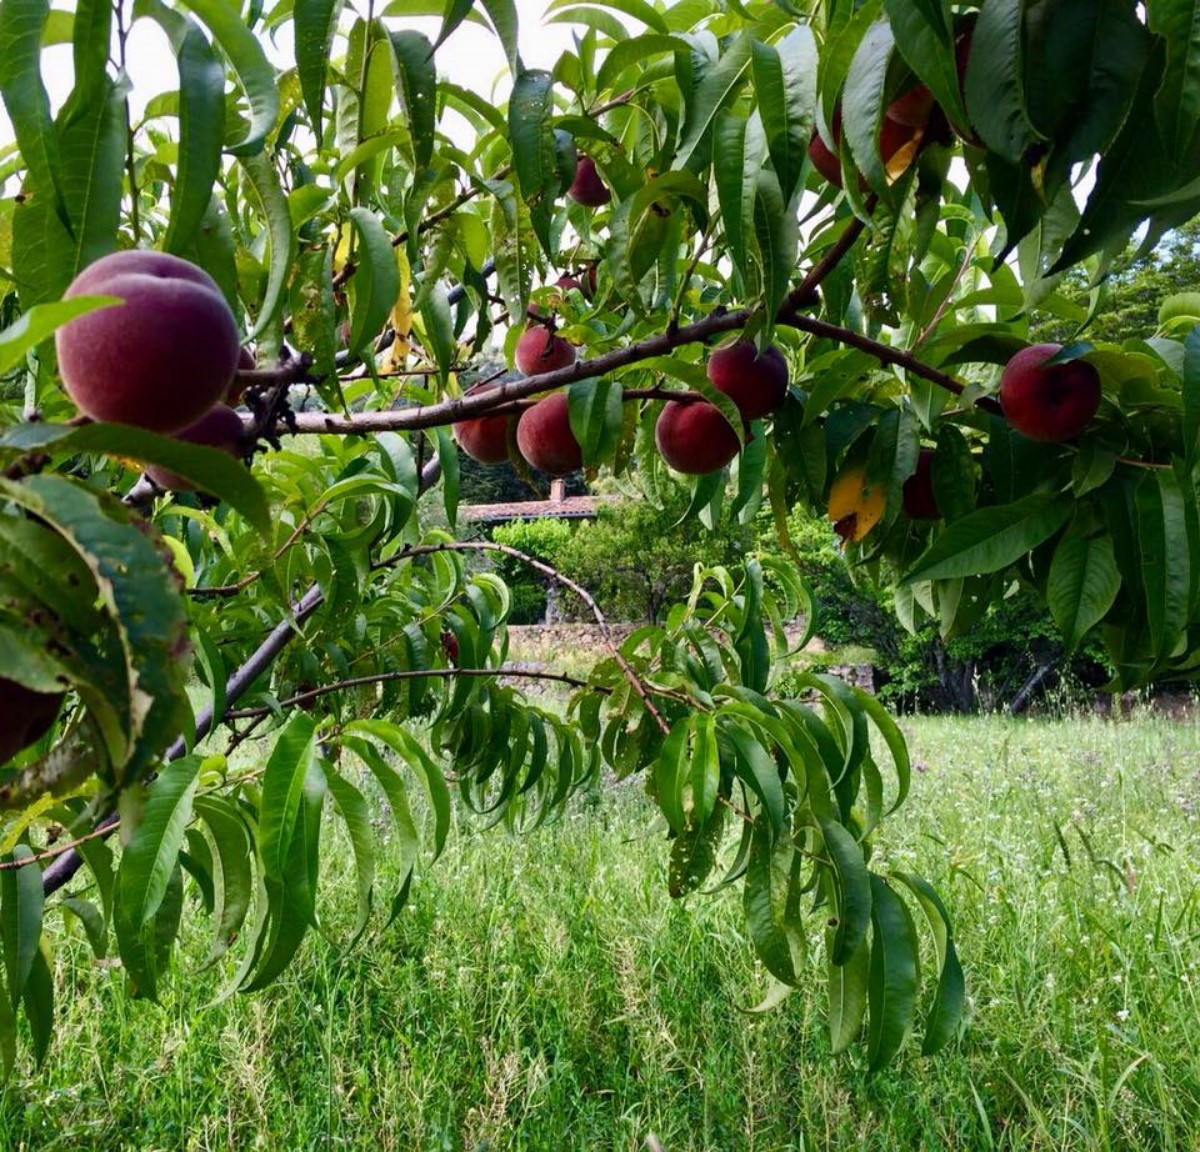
(634, 558)
(547, 984)
(1128, 302)
(1013, 652)
(365, 254)
(547, 540)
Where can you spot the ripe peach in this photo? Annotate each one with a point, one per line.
(545, 438)
(918, 500)
(220, 427)
(161, 359)
(893, 137)
(539, 350)
(695, 438)
(756, 383)
(484, 438)
(25, 716)
(587, 188)
(1049, 404)
(824, 160)
(913, 107)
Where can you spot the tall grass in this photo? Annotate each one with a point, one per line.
(545, 993)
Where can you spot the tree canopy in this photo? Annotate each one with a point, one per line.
(888, 194)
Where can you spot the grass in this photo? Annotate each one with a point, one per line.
(545, 993)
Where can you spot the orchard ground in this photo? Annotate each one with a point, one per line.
(545, 992)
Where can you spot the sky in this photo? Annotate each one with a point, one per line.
(471, 58)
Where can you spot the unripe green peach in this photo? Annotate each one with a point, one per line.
(159, 360)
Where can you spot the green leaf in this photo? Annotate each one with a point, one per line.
(211, 469)
(397, 801)
(777, 232)
(503, 15)
(41, 321)
(233, 881)
(737, 156)
(265, 191)
(151, 853)
(755, 765)
(785, 86)
(924, 35)
(990, 539)
(594, 409)
(439, 328)
(91, 155)
(532, 134)
(25, 98)
(852, 889)
(147, 866)
(92, 920)
(250, 65)
(846, 988)
(1165, 559)
(634, 51)
(21, 926)
(863, 103)
(417, 84)
(376, 285)
(994, 89)
(718, 87)
(1191, 398)
(39, 1001)
(1083, 585)
(315, 23)
(456, 11)
(291, 895)
(670, 772)
(201, 123)
(771, 900)
(91, 38)
(946, 1013)
(357, 815)
(400, 742)
(892, 987)
(283, 786)
(1177, 101)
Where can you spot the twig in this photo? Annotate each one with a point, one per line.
(431, 221)
(805, 294)
(410, 674)
(554, 574)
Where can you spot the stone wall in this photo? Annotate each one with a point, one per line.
(540, 643)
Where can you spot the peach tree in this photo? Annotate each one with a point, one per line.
(777, 254)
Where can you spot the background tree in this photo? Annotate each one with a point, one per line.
(875, 195)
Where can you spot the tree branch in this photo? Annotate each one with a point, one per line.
(554, 574)
(412, 674)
